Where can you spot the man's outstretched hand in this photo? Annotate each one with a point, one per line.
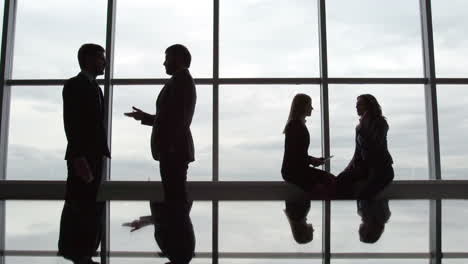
(137, 114)
(138, 223)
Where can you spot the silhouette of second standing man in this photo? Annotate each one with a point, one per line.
(172, 145)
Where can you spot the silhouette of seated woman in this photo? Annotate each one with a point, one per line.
(370, 170)
(296, 169)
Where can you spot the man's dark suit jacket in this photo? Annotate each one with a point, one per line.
(175, 107)
(83, 116)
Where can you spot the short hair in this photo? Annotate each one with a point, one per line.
(181, 51)
(88, 49)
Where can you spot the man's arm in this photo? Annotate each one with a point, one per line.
(180, 110)
(75, 130)
(145, 118)
(73, 119)
(148, 119)
(139, 223)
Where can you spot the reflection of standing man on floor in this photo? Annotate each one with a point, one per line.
(172, 146)
(83, 116)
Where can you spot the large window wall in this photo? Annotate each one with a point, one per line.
(249, 58)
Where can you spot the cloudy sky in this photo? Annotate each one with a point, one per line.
(258, 38)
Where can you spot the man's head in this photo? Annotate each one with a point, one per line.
(177, 58)
(92, 59)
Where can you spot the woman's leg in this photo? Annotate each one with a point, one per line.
(297, 209)
(346, 182)
(324, 184)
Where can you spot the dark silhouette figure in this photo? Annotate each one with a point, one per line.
(160, 217)
(83, 116)
(370, 169)
(172, 145)
(374, 215)
(296, 168)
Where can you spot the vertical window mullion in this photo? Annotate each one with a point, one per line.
(215, 157)
(6, 62)
(324, 103)
(432, 124)
(108, 94)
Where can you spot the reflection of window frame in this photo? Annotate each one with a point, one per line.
(430, 81)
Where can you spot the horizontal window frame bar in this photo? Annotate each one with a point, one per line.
(253, 255)
(249, 81)
(226, 190)
(377, 80)
(269, 81)
(452, 81)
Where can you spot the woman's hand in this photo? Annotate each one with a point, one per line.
(316, 161)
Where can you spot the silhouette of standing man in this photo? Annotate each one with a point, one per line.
(83, 116)
(172, 146)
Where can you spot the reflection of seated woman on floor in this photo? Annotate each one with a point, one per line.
(370, 169)
(296, 168)
(374, 215)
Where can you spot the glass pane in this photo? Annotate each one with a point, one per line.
(453, 128)
(145, 28)
(263, 227)
(37, 260)
(454, 261)
(153, 260)
(403, 106)
(38, 155)
(454, 228)
(268, 261)
(32, 225)
(252, 120)
(131, 151)
(49, 34)
(143, 240)
(406, 230)
(2, 7)
(374, 38)
(269, 39)
(450, 39)
(379, 261)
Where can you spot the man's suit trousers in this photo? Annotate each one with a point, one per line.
(82, 216)
(173, 226)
